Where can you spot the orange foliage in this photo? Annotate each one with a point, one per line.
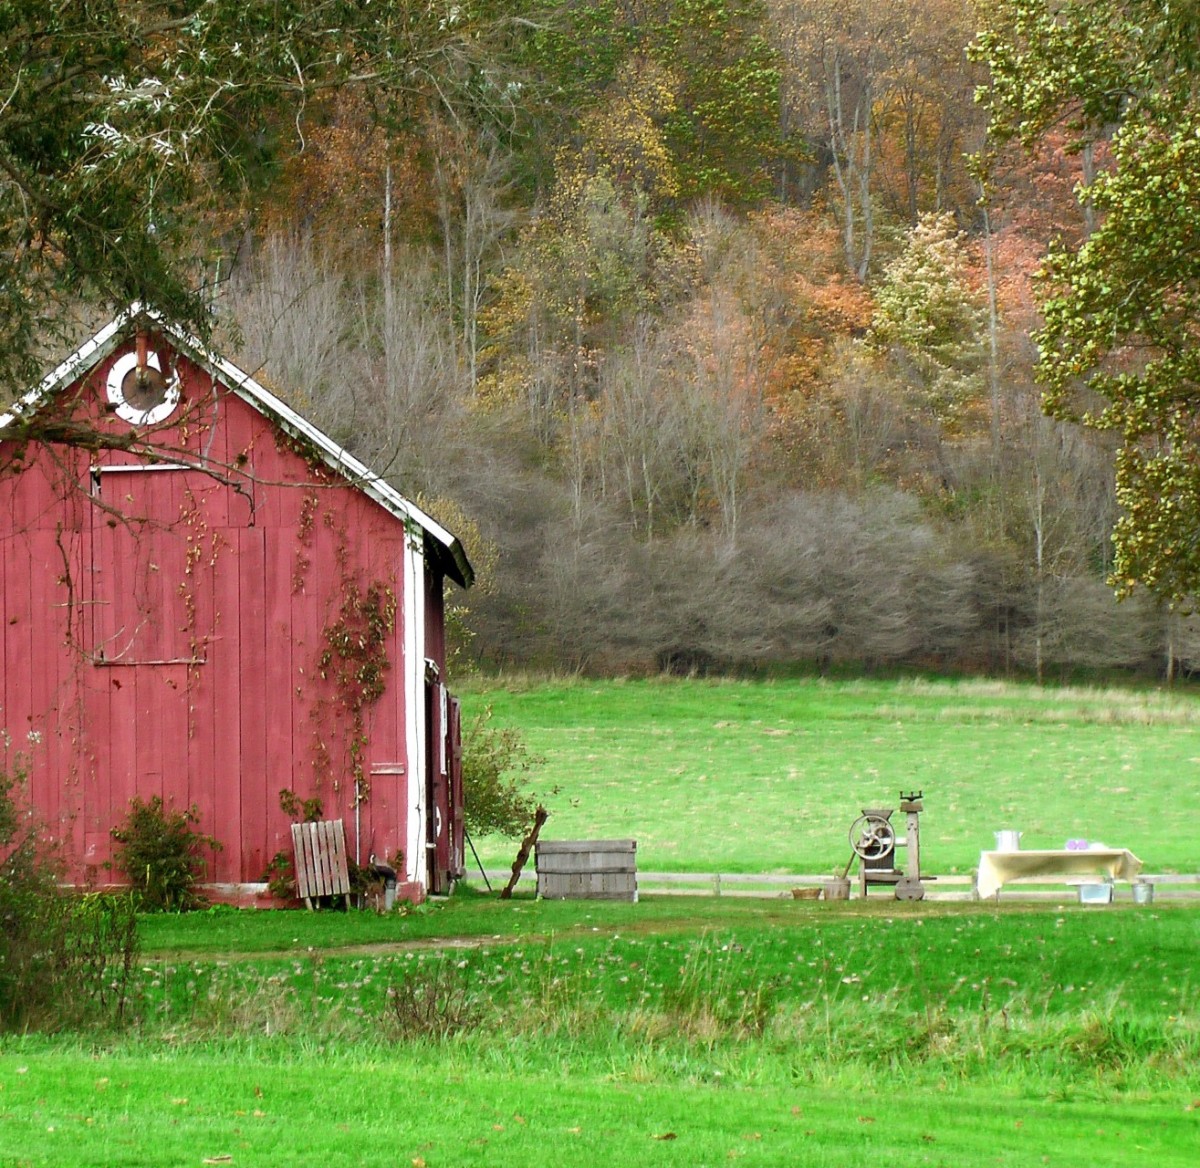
(824, 304)
(335, 185)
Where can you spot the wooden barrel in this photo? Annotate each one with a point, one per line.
(587, 869)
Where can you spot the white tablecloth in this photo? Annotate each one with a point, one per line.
(997, 868)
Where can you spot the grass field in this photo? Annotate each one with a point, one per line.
(687, 1032)
(767, 776)
(673, 1032)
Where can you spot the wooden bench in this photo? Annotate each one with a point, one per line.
(321, 867)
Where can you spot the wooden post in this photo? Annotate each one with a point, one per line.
(523, 855)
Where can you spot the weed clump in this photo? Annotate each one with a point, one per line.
(65, 960)
(433, 1000)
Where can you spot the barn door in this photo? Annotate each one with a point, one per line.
(148, 626)
(437, 802)
(457, 806)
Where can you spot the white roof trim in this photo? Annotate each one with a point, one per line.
(94, 351)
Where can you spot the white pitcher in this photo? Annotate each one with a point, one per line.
(1008, 841)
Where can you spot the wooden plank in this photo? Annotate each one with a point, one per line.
(19, 646)
(313, 835)
(597, 862)
(169, 698)
(148, 740)
(340, 868)
(324, 849)
(48, 626)
(569, 846)
(239, 652)
(303, 861)
(272, 733)
(313, 843)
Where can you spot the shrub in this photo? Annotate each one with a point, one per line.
(64, 960)
(161, 855)
(493, 758)
(280, 876)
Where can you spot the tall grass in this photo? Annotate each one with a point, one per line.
(681, 1033)
(1032, 994)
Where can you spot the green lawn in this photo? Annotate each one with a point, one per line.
(745, 776)
(434, 1110)
(671, 1032)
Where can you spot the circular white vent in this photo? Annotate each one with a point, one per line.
(142, 397)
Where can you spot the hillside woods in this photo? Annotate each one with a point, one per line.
(707, 324)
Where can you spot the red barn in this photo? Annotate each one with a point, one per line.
(204, 598)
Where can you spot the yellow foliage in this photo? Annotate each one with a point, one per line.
(481, 551)
(625, 137)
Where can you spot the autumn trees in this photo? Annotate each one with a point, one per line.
(881, 94)
(699, 309)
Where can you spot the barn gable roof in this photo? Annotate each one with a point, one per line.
(440, 544)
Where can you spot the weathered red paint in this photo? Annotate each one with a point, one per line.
(162, 629)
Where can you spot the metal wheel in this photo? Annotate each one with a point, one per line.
(872, 837)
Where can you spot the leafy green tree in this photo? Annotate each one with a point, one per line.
(494, 759)
(722, 130)
(1118, 350)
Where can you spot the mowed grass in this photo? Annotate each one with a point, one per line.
(672, 1032)
(444, 1112)
(742, 776)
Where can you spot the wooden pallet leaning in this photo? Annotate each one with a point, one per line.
(321, 868)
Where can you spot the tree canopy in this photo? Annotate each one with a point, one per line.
(1118, 349)
(125, 123)
(690, 306)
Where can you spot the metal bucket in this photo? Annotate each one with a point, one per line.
(1008, 841)
(837, 889)
(1143, 892)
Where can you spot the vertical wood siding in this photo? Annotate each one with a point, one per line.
(199, 617)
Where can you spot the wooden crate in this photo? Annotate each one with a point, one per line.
(587, 869)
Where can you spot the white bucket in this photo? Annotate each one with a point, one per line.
(1143, 892)
(1008, 841)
